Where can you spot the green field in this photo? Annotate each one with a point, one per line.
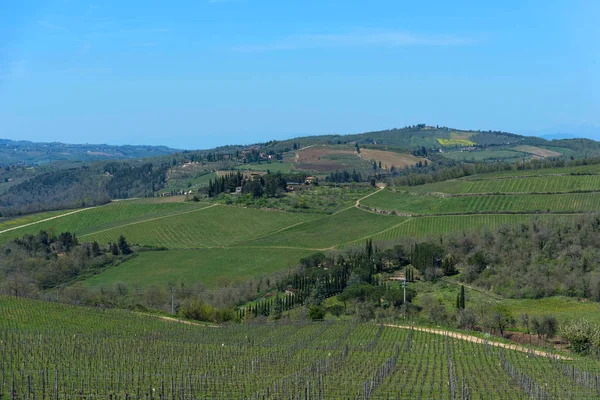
(215, 226)
(331, 231)
(484, 155)
(538, 184)
(74, 352)
(531, 203)
(210, 267)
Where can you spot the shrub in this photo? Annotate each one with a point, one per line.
(316, 313)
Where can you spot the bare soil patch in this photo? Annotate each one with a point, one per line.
(312, 154)
(389, 158)
(537, 151)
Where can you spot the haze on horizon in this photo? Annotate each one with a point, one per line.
(197, 74)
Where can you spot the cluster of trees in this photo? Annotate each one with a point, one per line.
(91, 185)
(39, 262)
(345, 176)
(269, 185)
(532, 260)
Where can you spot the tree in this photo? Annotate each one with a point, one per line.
(449, 265)
(114, 249)
(525, 322)
(545, 327)
(277, 309)
(95, 249)
(319, 294)
(467, 319)
(124, 246)
(461, 298)
(500, 318)
(582, 335)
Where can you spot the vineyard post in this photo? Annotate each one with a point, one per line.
(404, 303)
(172, 301)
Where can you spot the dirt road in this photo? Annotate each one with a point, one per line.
(479, 340)
(44, 220)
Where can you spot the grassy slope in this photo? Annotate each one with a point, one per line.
(211, 267)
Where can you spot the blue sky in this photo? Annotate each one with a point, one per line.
(194, 74)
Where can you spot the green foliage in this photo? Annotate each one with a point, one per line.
(316, 313)
(582, 334)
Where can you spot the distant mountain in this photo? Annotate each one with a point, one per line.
(33, 153)
(569, 131)
(559, 136)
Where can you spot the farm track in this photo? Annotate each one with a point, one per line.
(357, 203)
(47, 219)
(478, 340)
(181, 321)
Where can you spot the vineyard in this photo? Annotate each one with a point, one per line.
(529, 203)
(526, 184)
(104, 217)
(62, 352)
(433, 226)
(210, 226)
(331, 231)
(16, 222)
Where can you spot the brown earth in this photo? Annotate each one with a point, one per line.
(389, 158)
(537, 151)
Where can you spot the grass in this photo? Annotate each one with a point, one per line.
(209, 227)
(211, 267)
(331, 231)
(563, 308)
(407, 203)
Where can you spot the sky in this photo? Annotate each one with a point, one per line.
(196, 74)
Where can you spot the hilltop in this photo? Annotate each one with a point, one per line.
(77, 180)
(24, 152)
